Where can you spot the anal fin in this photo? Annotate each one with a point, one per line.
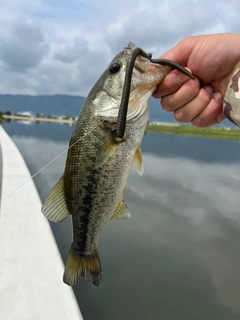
(55, 207)
(121, 212)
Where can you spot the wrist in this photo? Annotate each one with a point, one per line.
(231, 103)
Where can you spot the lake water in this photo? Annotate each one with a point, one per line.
(178, 257)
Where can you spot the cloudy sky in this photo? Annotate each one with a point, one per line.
(63, 46)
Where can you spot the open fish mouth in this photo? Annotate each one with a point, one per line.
(100, 157)
(131, 63)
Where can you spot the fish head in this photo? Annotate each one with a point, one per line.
(145, 77)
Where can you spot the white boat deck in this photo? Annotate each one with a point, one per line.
(31, 267)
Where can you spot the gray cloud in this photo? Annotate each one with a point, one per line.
(158, 26)
(24, 47)
(73, 52)
(55, 48)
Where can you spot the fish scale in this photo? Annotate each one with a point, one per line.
(98, 164)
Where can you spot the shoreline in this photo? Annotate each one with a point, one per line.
(190, 131)
(159, 127)
(38, 119)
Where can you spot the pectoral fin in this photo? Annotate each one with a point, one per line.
(121, 211)
(55, 207)
(106, 151)
(138, 161)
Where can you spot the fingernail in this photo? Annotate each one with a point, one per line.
(209, 89)
(195, 123)
(178, 115)
(217, 96)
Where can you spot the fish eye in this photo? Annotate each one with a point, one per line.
(115, 67)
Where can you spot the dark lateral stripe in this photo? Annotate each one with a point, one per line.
(84, 212)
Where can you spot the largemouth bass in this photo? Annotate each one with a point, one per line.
(98, 165)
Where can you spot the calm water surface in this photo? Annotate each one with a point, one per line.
(178, 256)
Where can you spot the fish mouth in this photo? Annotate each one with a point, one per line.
(133, 53)
(128, 98)
(138, 68)
(144, 78)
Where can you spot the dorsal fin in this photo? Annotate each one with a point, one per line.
(55, 207)
(121, 212)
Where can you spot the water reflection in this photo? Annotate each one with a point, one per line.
(178, 256)
(193, 212)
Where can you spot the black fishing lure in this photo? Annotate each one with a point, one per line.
(122, 114)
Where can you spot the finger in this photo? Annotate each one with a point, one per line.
(171, 83)
(192, 109)
(181, 52)
(219, 118)
(211, 114)
(186, 93)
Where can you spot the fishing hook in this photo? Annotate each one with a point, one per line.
(122, 114)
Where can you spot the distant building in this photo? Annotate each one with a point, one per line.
(160, 123)
(25, 113)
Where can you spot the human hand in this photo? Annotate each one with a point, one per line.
(212, 59)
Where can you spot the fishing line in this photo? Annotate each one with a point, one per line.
(48, 164)
(122, 114)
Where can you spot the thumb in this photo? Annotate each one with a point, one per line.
(181, 52)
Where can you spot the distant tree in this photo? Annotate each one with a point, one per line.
(1, 117)
(8, 113)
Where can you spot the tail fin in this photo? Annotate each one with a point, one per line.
(82, 266)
